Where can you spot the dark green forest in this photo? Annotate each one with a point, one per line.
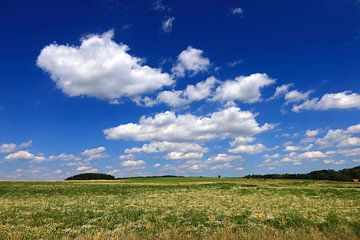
(342, 175)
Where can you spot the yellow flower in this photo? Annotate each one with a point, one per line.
(260, 216)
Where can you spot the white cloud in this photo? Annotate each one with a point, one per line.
(353, 129)
(223, 166)
(333, 161)
(190, 60)
(167, 147)
(7, 147)
(174, 150)
(291, 148)
(349, 142)
(281, 90)
(167, 126)
(85, 167)
(237, 11)
(64, 157)
(223, 157)
(249, 148)
(101, 68)
(187, 166)
(11, 147)
(243, 88)
(133, 164)
(95, 153)
(341, 137)
(296, 96)
(200, 91)
(312, 133)
(127, 157)
(341, 100)
(308, 147)
(172, 98)
(349, 152)
(25, 155)
(312, 155)
(114, 172)
(26, 144)
(184, 155)
(167, 24)
(242, 140)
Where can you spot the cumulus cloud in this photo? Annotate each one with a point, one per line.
(172, 98)
(201, 90)
(198, 92)
(190, 60)
(349, 142)
(12, 147)
(222, 166)
(353, 129)
(223, 157)
(174, 150)
(312, 133)
(167, 24)
(85, 167)
(25, 155)
(296, 96)
(341, 100)
(349, 152)
(243, 88)
(281, 90)
(312, 155)
(242, 140)
(95, 153)
(7, 147)
(248, 148)
(133, 164)
(291, 148)
(187, 166)
(64, 157)
(340, 137)
(167, 126)
(100, 68)
(184, 155)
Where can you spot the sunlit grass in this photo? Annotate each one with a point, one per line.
(180, 208)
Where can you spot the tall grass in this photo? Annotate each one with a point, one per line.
(186, 208)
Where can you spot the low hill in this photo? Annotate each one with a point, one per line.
(327, 174)
(91, 176)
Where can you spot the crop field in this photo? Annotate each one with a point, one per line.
(180, 208)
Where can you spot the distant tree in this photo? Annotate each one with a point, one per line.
(91, 176)
(219, 176)
(341, 175)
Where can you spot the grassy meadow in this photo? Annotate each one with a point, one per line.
(180, 208)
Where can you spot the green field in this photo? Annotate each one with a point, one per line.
(180, 208)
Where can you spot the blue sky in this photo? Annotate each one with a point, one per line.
(178, 87)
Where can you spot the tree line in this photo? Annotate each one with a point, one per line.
(327, 174)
